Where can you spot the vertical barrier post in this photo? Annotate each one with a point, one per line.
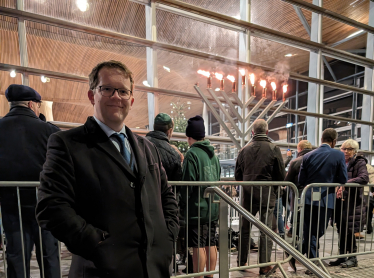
(223, 240)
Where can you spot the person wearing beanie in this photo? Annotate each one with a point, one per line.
(23, 148)
(200, 164)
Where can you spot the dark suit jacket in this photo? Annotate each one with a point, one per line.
(323, 165)
(23, 146)
(117, 223)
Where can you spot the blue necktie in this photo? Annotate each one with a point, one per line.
(124, 151)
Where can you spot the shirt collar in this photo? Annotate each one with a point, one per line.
(108, 131)
(326, 144)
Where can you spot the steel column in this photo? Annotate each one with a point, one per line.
(22, 41)
(244, 56)
(151, 34)
(367, 102)
(314, 90)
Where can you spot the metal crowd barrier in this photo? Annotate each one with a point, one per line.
(317, 190)
(25, 184)
(225, 222)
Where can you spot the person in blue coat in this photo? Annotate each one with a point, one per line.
(323, 165)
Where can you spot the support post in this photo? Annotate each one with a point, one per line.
(22, 41)
(151, 34)
(206, 119)
(367, 102)
(223, 240)
(296, 116)
(245, 56)
(314, 90)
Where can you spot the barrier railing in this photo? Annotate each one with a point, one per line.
(17, 185)
(346, 215)
(225, 224)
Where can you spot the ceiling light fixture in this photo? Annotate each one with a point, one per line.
(44, 79)
(216, 89)
(288, 55)
(145, 83)
(13, 73)
(167, 69)
(82, 5)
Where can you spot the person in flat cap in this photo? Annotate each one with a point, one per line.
(200, 164)
(23, 148)
(171, 158)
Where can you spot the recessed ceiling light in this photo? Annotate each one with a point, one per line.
(216, 89)
(137, 127)
(167, 69)
(145, 83)
(82, 5)
(43, 78)
(288, 55)
(13, 73)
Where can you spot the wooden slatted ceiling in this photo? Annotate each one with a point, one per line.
(74, 52)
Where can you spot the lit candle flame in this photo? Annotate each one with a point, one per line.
(203, 72)
(242, 72)
(252, 78)
(263, 83)
(231, 78)
(285, 88)
(273, 85)
(218, 76)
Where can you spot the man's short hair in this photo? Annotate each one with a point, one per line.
(304, 144)
(18, 103)
(93, 78)
(163, 128)
(260, 126)
(329, 135)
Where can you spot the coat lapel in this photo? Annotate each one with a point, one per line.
(98, 137)
(139, 153)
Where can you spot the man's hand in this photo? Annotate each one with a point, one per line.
(289, 153)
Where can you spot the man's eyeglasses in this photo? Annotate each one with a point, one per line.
(107, 91)
(347, 149)
(39, 103)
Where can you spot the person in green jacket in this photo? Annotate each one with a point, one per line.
(200, 164)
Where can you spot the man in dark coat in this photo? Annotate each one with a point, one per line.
(323, 165)
(23, 147)
(170, 158)
(104, 192)
(260, 160)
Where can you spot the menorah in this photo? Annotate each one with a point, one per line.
(239, 108)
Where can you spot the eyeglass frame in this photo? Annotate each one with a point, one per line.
(38, 103)
(347, 149)
(114, 90)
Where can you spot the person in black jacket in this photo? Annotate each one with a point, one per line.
(170, 157)
(104, 192)
(292, 175)
(260, 160)
(23, 148)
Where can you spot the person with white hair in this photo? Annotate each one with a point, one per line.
(350, 211)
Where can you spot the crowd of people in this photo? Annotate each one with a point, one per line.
(104, 190)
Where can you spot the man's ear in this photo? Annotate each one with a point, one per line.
(267, 132)
(90, 95)
(29, 105)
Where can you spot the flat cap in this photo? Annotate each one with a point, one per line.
(22, 93)
(162, 119)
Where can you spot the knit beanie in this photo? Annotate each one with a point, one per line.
(195, 128)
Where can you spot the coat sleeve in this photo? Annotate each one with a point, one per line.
(278, 169)
(342, 175)
(238, 169)
(303, 173)
(169, 204)
(362, 174)
(291, 174)
(55, 210)
(190, 173)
